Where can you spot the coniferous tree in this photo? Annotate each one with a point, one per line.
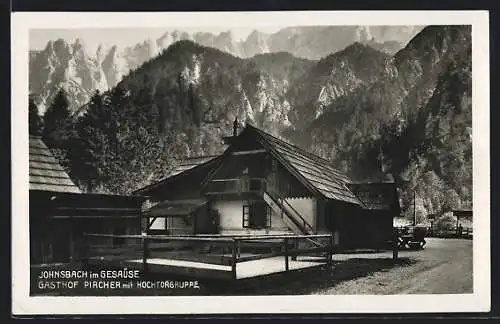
(35, 121)
(57, 121)
(58, 129)
(89, 147)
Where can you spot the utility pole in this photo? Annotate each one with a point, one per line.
(414, 208)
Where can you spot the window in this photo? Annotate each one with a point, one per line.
(256, 215)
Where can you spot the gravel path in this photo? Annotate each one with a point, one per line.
(443, 267)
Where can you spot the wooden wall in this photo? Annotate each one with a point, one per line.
(62, 240)
(357, 228)
(58, 223)
(283, 184)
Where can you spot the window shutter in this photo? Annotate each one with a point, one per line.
(246, 215)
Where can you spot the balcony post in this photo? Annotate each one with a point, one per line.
(286, 255)
(236, 185)
(234, 258)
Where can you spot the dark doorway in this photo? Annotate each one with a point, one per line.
(61, 242)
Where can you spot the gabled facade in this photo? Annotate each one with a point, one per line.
(261, 184)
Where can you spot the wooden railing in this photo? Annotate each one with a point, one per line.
(281, 205)
(235, 186)
(285, 245)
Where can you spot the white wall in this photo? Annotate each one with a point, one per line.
(158, 224)
(231, 219)
(175, 225)
(231, 213)
(306, 207)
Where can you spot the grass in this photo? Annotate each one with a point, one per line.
(309, 281)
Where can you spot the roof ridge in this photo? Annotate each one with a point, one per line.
(285, 142)
(199, 157)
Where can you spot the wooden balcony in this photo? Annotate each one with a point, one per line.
(235, 186)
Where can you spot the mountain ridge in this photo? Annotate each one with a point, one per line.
(115, 62)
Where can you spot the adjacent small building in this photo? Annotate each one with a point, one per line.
(264, 185)
(60, 214)
(464, 220)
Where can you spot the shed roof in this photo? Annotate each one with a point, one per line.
(462, 213)
(187, 166)
(45, 172)
(377, 196)
(175, 208)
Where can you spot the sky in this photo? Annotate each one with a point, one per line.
(124, 36)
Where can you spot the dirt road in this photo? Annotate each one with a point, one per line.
(443, 267)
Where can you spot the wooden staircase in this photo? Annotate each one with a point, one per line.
(290, 216)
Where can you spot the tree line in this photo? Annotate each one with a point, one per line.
(108, 147)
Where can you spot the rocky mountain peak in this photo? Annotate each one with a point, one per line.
(58, 48)
(100, 52)
(363, 34)
(67, 66)
(255, 34)
(256, 43)
(79, 43)
(358, 49)
(114, 66)
(80, 50)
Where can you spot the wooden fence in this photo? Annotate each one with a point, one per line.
(434, 231)
(222, 249)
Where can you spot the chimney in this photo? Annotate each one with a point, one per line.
(229, 139)
(235, 127)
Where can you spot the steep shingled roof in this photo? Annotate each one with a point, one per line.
(328, 181)
(45, 172)
(314, 171)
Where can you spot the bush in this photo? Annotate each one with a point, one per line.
(445, 222)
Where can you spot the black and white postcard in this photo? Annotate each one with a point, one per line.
(250, 162)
